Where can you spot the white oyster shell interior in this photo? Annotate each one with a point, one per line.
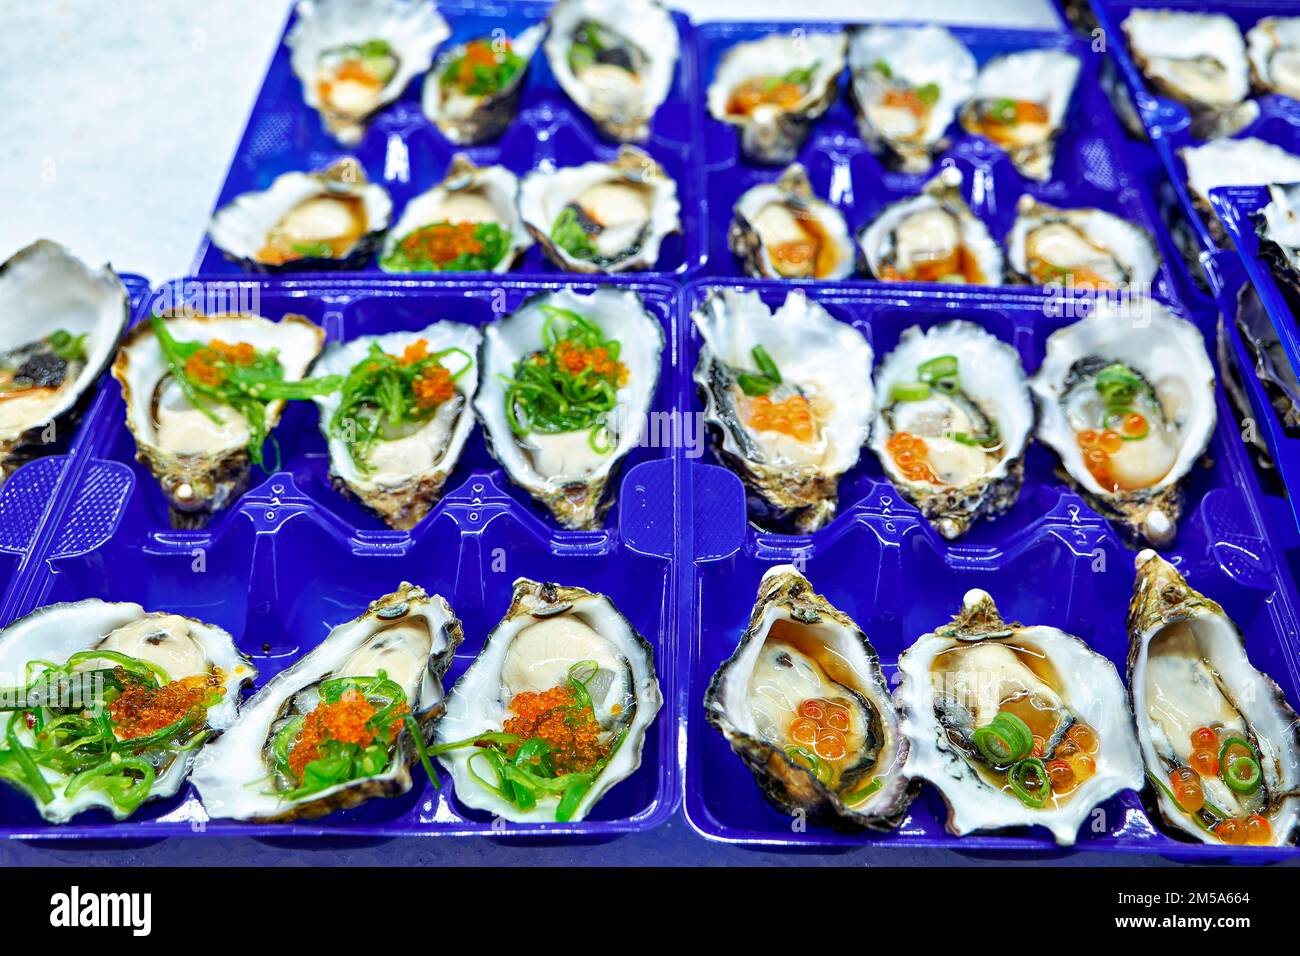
(1198, 57)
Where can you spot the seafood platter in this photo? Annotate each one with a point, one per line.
(577, 415)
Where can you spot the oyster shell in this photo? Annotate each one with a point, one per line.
(1088, 248)
(63, 320)
(330, 219)
(354, 57)
(773, 119)
(408, 636)
(932, 237)
(781, 230)
(615, 59)
(804, 703)
(569, 469)
(483, 197)
(1188, 670)
(1146, 380)
(455, 99)
(602, 217)
(180, 647)
(1234, 162)
(1273, 47)
(908, 83)
(551, 637)
(202, 466)
(1020, 104)
(792, 475)
(954, 417)
(401, 475)
(979, 672)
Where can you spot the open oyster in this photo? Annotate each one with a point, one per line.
(354, 57)
(1086, 248)
(908, 83)
(1016, 725)
(788, 401)
(1220, 742)
(1273, 47)
(602, 217)
(615, 59)
(281, 761)
(602, 350)
(326, 220)
(1234, 162)
(932, 237)
(1127, 401)
(472, 92)
(467, 223)
(158, 685)
(781, 230)
(397, 466)
(804, 703)
(1269, 364)
(559, 652)
(774, 88)
(954, 418)
(1278, 227)
(1020, 104)
(197, 427)
(62, 322)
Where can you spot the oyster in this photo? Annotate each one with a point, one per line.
(354, 57)
(1273, 47)
(1020, 104)
(1015, 725)
(602, 217)
(557, 649)
(1087, 248)
(1127, 402)
(202, 453)
(565, 455)
(271, 765)
(398, 468)
(326, 220)
(125, 667)
(781, 230)
(1220, 742)
(908, 83)
(773, 89)
(932, 237)
(468, 222)
(788, 401)
(804, 703)
(1271, 365)
(63, 320)
(954, 418)
(472, 92)
(615, 59)
(1234, 162)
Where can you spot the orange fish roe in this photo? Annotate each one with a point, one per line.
(911, 456)
(792, 416)
(140, 710)
(905, 99)
(575, 359)
(478, 53)
(205, 365)
(997, 124)
(443, 242)
(433, 387)
(1098, 446)
(553, 715)
(821, 726)
(763, 91)
(343, 721)
(417, 350)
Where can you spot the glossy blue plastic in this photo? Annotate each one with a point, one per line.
(403, 151)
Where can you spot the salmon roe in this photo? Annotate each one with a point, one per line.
(207, 365)
(821, 726)
(904, 99)
(553, 715)
(351, 70)
(344, 721)
(997, 124)
(140, 710)
(1258, 830)
(763, 91)
(1186, 786)
(478, 53)
(911, 456)
(575, 359)
(791, 416)
(442, 242)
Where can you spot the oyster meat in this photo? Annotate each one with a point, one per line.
(557, 651)
(472, 92)
(781, 230)
(278, 762)
(1234, 162)
(1220, 742)
(1273, 47)
(1016, 725)
(954, 418)
(804, 703)
(1084, 248)
(788, 401)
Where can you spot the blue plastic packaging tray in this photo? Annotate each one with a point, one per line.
(405, 153)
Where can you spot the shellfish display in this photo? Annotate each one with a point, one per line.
(782, 230)
(1234, 162)
(1085, 248)
(1273, 48)
(472, 92)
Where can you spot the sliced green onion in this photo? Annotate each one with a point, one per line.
(909, 391)
(1019, 776)
(943, 366)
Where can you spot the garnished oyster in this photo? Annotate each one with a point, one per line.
(788, 401)
(342, 724)
(1015, 725)
(1084, 248)
(782, 230)
(1127, 402)
(354, 57)
(804, 703)
(602, 217)
(1234, 162)
(1220, 742)
(1273, 46)
(773, 90)
(565, 675)
(908, 83)
(954, 418)
(567, 384)
(615, 59)
(472, 92)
